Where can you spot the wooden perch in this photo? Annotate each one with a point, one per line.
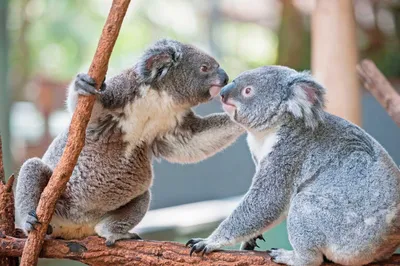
(93, 251)
(76, 136)
(380, 88)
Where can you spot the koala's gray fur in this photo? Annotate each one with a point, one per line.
(143, 112)
(337, 186)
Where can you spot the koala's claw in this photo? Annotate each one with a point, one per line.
(249, 245)
(49, 230)
(252, 243)
(200, 245)
(32, 220)
(261, 237)
(86, 85)
(193, 241)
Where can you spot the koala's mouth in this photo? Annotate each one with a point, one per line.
(214, 90)
(228, 107)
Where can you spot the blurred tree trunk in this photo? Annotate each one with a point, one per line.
(4, 88)
(213, 23)
(334, 57)
(396, 14)
(21, 71)
(291, 36)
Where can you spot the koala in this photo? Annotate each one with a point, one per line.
(337, 186)
(143, 113)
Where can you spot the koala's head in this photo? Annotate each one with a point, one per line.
(264, 97)
(187, 74)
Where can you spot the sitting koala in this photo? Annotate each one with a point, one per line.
(144, 112)
(337, 186)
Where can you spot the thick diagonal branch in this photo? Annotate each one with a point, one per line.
(380, 88)
(76, 136)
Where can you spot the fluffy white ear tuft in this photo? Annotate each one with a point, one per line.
(306, 100)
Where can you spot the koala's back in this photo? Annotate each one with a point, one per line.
(350, 186)
(355, 157)
(103, 179)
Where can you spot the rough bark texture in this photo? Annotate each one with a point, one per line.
(7, 223)
(93, 251)
(76, 137)
(380, 88)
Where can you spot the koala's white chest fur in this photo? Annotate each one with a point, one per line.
(149, 116)
(261, 143)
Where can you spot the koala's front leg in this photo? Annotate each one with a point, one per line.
(117, 224)
(82, 85)
(261, 208)
(198, 138)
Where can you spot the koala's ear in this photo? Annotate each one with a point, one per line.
(306, 99)
(158, 60)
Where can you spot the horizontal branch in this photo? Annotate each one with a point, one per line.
(93, 251)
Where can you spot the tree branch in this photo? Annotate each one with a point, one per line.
(7, 223)
(380, 88)
(93, 251)
(76, 136)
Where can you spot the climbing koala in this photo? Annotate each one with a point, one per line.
(336, 185)
(142, 113)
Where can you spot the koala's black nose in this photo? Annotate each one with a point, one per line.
(223, 76)
(226, 91)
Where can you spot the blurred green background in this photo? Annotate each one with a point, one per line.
(44, 43)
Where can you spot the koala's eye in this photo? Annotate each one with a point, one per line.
(204, 68)
(246, 92)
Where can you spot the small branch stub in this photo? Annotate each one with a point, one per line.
(76, 136)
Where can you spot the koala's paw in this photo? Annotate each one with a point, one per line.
(204, 246)
(110, 240)
(32, 221)
(86, 85)
(281, 256)
(252, 243)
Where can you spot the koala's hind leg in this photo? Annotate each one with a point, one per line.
(117, 224)
(32, 179)
(304, 237)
